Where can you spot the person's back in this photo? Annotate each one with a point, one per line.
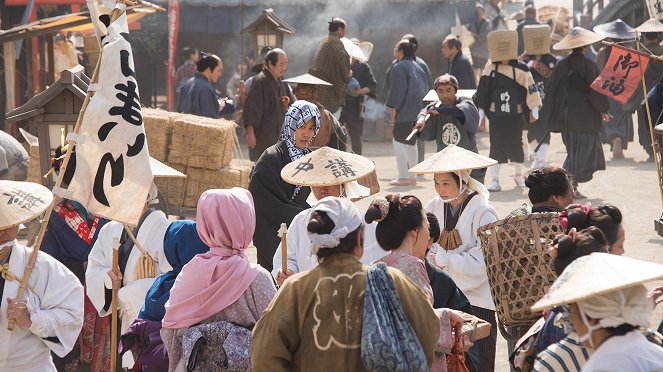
(197, 95)
(13, 159)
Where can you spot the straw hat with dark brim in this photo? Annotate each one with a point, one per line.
(452, 159)
(326, 167)
(161, 170)
(586, 277)
(578, 37)
(21, 202)
(306, 79)
(616, 29)
(503, 45)
(650, 25)
(536, 39)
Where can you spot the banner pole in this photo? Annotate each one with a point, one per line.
(649, 122)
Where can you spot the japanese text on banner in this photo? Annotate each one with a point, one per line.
(622, 74)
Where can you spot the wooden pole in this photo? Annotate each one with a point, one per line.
(114, 323)
(284, 248)
(649, 122)
(47, 214)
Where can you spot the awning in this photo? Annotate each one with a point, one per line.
(71, 22)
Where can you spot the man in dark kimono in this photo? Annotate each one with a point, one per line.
(197, 95)
(459, 66)
(332, 63)
(576, 110)
(352, 114)
(266, 103)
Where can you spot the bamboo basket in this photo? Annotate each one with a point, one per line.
(518, 265)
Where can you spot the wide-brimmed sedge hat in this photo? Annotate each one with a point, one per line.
(306, 79)
(650, 25)
(503, 45)
(536, 39)
(21, 202)
(586, 277)
(578, 37)
(326, 167)
(161, 170)
(616, 29)
(354, 50)
(453, 158)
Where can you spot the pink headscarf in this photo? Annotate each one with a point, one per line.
(214, 280)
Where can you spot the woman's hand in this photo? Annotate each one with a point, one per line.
(116, 279)
(282, 276)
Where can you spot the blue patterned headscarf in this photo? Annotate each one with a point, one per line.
(299, 113)
(181, 243)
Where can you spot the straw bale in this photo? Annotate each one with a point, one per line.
(202, 142)
(158, 130)
(186, 193)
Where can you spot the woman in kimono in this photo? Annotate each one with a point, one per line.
(220, 286)
(69, 237)
(606, 320)
(276, 201)
(461, 208)
(316, 319)
(550, 189)
(324, 181)
(49, 316)
(180, 245)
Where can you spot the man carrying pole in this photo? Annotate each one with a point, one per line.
(49, 315)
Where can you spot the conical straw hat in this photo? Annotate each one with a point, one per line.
(503, 45)
(326, 167)
(536, 39)
(451, 159)
(21, 202)
(616, 29)
(578, 37)
(586, 277)
(306, 79)
(161, 170)
(650, 25)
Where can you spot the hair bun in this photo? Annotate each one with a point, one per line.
(378, 210)
(565, 246)
(577, 217)
(534, 178)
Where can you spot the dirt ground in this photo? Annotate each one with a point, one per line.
(629, 184)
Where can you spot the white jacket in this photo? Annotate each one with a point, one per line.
(55, 303)
(299, 247)
(465, 264)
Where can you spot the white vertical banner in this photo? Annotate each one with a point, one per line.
(113, 174)
(655, 8)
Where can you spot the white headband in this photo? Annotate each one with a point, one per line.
(346, 218)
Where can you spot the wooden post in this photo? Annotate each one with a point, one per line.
(114, 324)
(649, 122)
(284, 247)
(11, 323)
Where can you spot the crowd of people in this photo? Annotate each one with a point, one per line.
(386, 288)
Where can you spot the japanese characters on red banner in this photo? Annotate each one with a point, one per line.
(113, 174)
(622, 74)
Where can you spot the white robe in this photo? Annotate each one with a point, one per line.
(56, 310)
(299, 247)
(132, 294)
(631, 352)
(465, 264)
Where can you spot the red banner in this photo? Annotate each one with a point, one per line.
(622, 74)
(173, 29)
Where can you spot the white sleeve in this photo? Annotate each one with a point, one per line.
(467, 268)
(57, 309)
(99, 263)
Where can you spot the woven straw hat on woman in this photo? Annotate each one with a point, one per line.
(21, 202)
(330, 167)
(503, 45)
(650, 25)
(536, 39)
(578, 37)
(452, 158)
(586, 277)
